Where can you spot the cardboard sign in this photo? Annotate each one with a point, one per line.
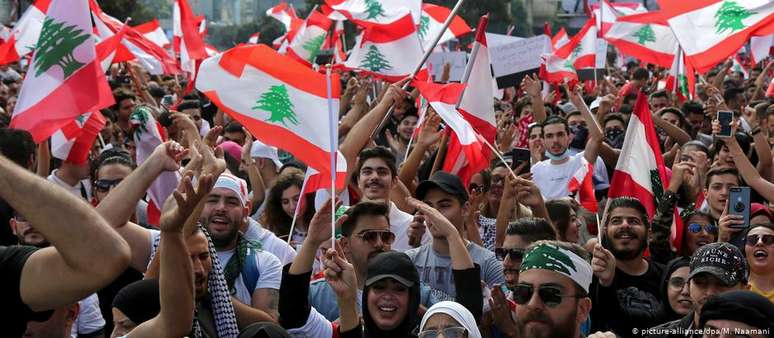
(513, 60)
(457, 60)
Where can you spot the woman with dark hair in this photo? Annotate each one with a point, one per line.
(565, 220)
(759, 250)
(399, 140)
(698, 229)
(281, 205)
(674, 287)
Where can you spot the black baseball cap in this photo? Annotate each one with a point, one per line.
(264, 330)
(722, 260)
(445, 181)
(740, 306)
(392, 264)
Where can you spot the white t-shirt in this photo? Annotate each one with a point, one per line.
(399, 225)
(270, 242)
(83, 186)
(552, 179)
(269, 269)
(89, 318)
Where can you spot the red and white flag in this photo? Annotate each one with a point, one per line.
(282, 106)
(557, 70)
(25, 33)
(606, 13)
(645, 37)
(107, 50)
(368, 12)
(560, 39)
(709, 31)
(443, 99)
(148, 134)
(390, 51)
(285, 13)
(738, 66)
(65, 78)
(431, 23)
(187, 38)
(74, 141)
(307, 43)
(581, 49)
(254, 38)
(476, 102)
(761, 47)
(681, 79)
(153, 32)
(316, 181)
(582, 185)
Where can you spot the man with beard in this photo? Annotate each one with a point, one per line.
(627, 287)
(552, 295)
(715, 268)
(553, 175)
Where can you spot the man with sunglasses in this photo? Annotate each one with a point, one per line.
(446, 193)
(551, 295)
(365, 233)
(715, 268)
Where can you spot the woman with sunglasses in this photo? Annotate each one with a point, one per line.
(759, 250)
(699, 229)
(675, 289)
(450, 320)
(110, 168)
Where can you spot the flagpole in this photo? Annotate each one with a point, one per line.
(302, 199)
(422, 62)
(332, 124)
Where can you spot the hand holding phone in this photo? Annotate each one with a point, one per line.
(725, 118)
(739, 204)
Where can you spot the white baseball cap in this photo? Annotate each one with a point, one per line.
(261, 150)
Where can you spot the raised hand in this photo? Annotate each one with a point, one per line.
(603, 265)
(186, 198)
(168, 155)
(395, 93)
(531, 85)
(429, 134)
(726, 225)
(501, 312)
(184, 122)
(211, 139)
(434, 219)
(320, 226)
(416, 230)
(527, 192)
(682, 171)
(211, 164)
(247, 160)
(340, 274)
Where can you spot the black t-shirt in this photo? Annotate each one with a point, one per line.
(6, 235)
(14, 322)
(630, 302)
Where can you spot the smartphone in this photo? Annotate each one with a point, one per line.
(725, 118)
(739, 204)
(521, 155)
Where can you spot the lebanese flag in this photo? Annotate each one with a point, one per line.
(760, 47)
(560, 39)
(557, 70)
(581, 49)
(605, 15)
(476, 102)
(431, 23)
(738, 66)
(640, 171)
(65, 78)
(285, 107)
(582, 183)
(681, 78)
(712, 30)
(285, 13)
(187, 38)
(307, 43)
(644, 36)
(369, 12)
(389, 51)
(254, 38)
(153, 32)
(107, 50)
(74, 141)
(316, 181)
(443, 99)
(25, 33)
(148, 134)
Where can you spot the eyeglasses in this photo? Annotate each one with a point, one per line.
(370, 236)
(105, 185)
(448, 332)
(677, 282)
(551, 296)
(754, 239)
(695, 228)
(514, 253)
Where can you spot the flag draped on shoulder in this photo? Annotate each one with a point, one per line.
(645, 37)
(25, 33)
(74, 141)
(65, 78)
(390, 51)
(283, 106)
(476, 102)
(431, 23)
(640, 171)
(709, 31)
(307, 43)
(464, 141)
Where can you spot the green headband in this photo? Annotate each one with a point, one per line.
(548, 256)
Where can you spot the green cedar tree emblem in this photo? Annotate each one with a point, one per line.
(550, 257)
(277, 102)
(56, 45)
(313, 46)
(375, 60)
(140, 117)
(374, 9)
(424, 25)
(730, 17)
(645, 34)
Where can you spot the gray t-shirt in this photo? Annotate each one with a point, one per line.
(435, 270)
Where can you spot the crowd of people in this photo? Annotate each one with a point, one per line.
(239, 251)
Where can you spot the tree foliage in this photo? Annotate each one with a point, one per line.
(138, 11)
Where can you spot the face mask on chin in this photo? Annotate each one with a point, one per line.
(581, 134)
(559, 157)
